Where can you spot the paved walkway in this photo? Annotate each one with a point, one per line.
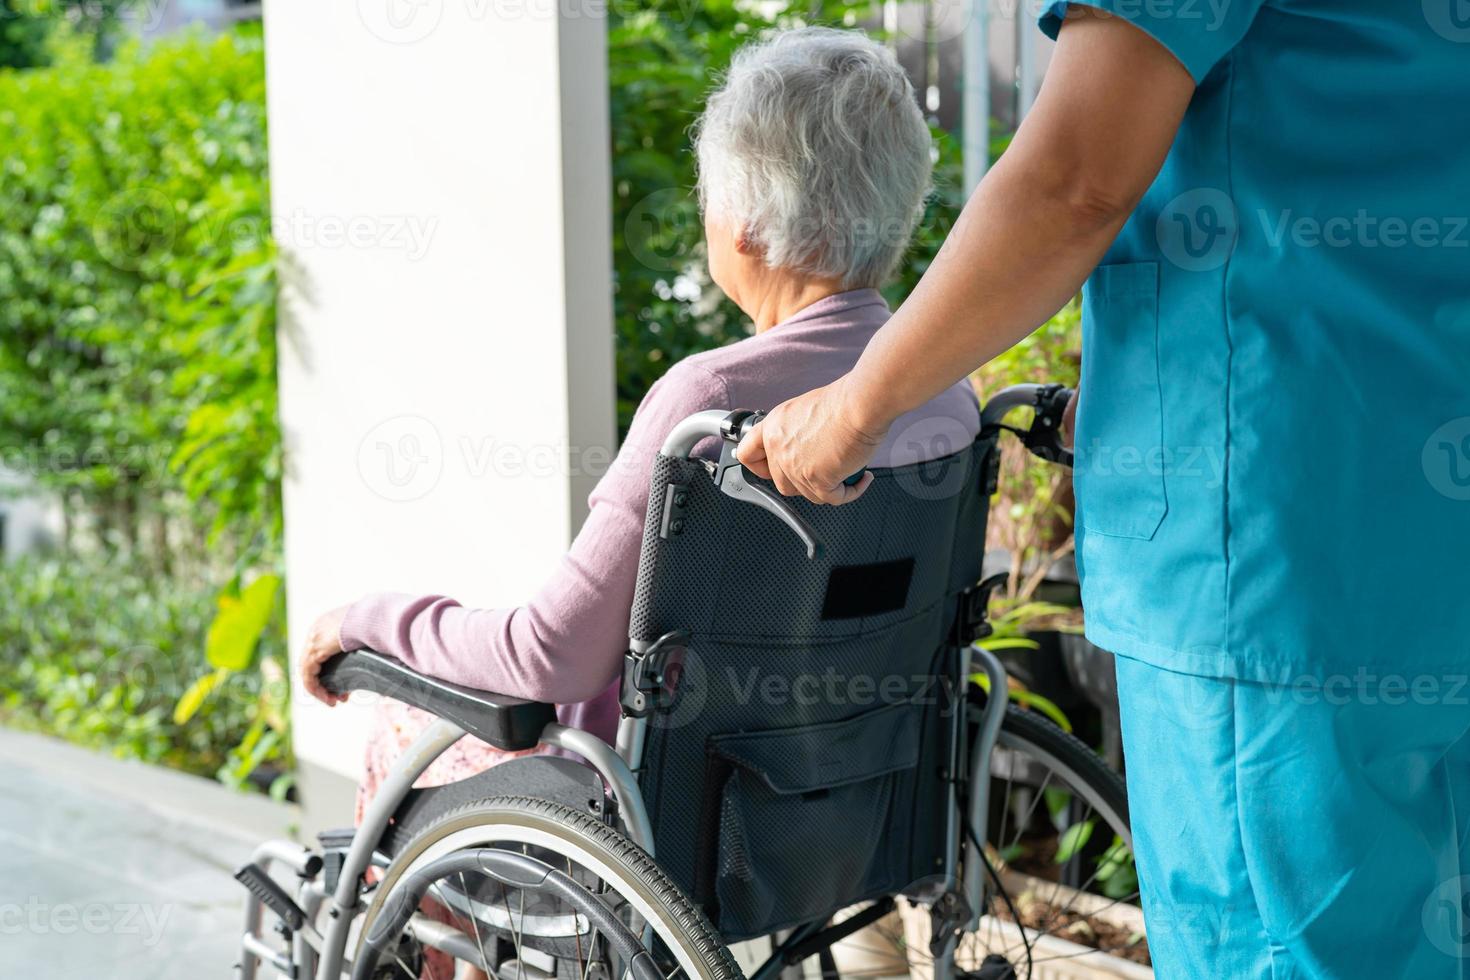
(118, 870)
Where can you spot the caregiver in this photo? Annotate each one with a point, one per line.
(1269, 202)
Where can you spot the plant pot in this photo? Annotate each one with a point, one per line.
(1053, 957)
(873, 952)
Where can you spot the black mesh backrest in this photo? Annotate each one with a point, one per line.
(799, 768)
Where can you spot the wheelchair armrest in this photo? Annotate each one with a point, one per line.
(503, 721)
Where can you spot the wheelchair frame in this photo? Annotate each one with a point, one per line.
(322, 955)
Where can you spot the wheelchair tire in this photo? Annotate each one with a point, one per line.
(1028, 731)
(684, 931)
(1032, 758)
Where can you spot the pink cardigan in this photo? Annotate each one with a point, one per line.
(566, 645)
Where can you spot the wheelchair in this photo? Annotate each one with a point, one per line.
(806, 741)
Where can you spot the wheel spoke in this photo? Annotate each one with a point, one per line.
(515, 935)
(1032, 771)
(469, 902)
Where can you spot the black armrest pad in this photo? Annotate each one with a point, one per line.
(503, 721)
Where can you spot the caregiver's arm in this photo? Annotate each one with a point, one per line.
(1030, 235)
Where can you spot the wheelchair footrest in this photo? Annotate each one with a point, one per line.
(271, 895)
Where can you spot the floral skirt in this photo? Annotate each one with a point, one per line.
(395, 727)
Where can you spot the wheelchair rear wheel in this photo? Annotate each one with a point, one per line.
(1061, 883)
(527, 889)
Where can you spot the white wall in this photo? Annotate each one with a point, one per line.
(439, 177)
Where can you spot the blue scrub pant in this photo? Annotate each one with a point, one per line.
(1299, 831)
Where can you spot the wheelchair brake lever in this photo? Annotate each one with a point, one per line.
(733, 480)
(1044, 438)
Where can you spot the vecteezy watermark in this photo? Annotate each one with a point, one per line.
(927, 460)
(830, 688)
(1199, 924)
(134, 223)
(1363, 230)
(1197, 230)
(301, 230)
(144, 14)
(400, 21)
(401, 458)
(140, 222)
(1103, 459)
(142, 466)
(1371, 688)
(1446, 917)
(1450, 19)
(663, 230)
(1446, 459)
(38, 917)
(411, 21)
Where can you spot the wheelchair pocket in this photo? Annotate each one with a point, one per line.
(796, 820)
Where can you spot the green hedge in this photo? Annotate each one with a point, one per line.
(100, 655)
(138, 385)
(137, 288)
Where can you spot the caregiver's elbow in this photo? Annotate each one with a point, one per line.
(1094, 206)
(1064, 194)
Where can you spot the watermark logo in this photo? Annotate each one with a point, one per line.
(40, 918)
(400, 21)
(145, 15)
(1450, 19)
(1197, 230)
(935, 439)
(1364, 230)
(300, 231)
(134, 224)
(1446, 917)
(683, 691)
(1446, 459)
(402, 458)
(1187, 702)
(663, 230)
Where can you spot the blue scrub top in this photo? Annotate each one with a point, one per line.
(1273, 465)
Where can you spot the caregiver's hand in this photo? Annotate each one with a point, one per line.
(810, 444)
(323, 642)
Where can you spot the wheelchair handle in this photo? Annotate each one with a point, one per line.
(733, 479)
(1044, 438)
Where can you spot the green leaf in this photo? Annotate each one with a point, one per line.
(1008, 643)
(1043, 704)
(1073, 839)
(239, 623)
(197, 693)
(1057, 801)
(1116, 871)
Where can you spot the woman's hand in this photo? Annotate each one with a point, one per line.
(323, 642)
(809, 445)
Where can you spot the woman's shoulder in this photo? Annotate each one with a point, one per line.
(687, 387)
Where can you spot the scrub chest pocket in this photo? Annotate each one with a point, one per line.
(1120, 454)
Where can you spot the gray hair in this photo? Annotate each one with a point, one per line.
(816, 147)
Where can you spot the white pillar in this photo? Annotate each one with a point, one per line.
(1027, 75)
(440, 192)
(975, 108)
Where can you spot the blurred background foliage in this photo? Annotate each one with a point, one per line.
(137, 354)
(137, 375)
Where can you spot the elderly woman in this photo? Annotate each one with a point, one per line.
(814, 162)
